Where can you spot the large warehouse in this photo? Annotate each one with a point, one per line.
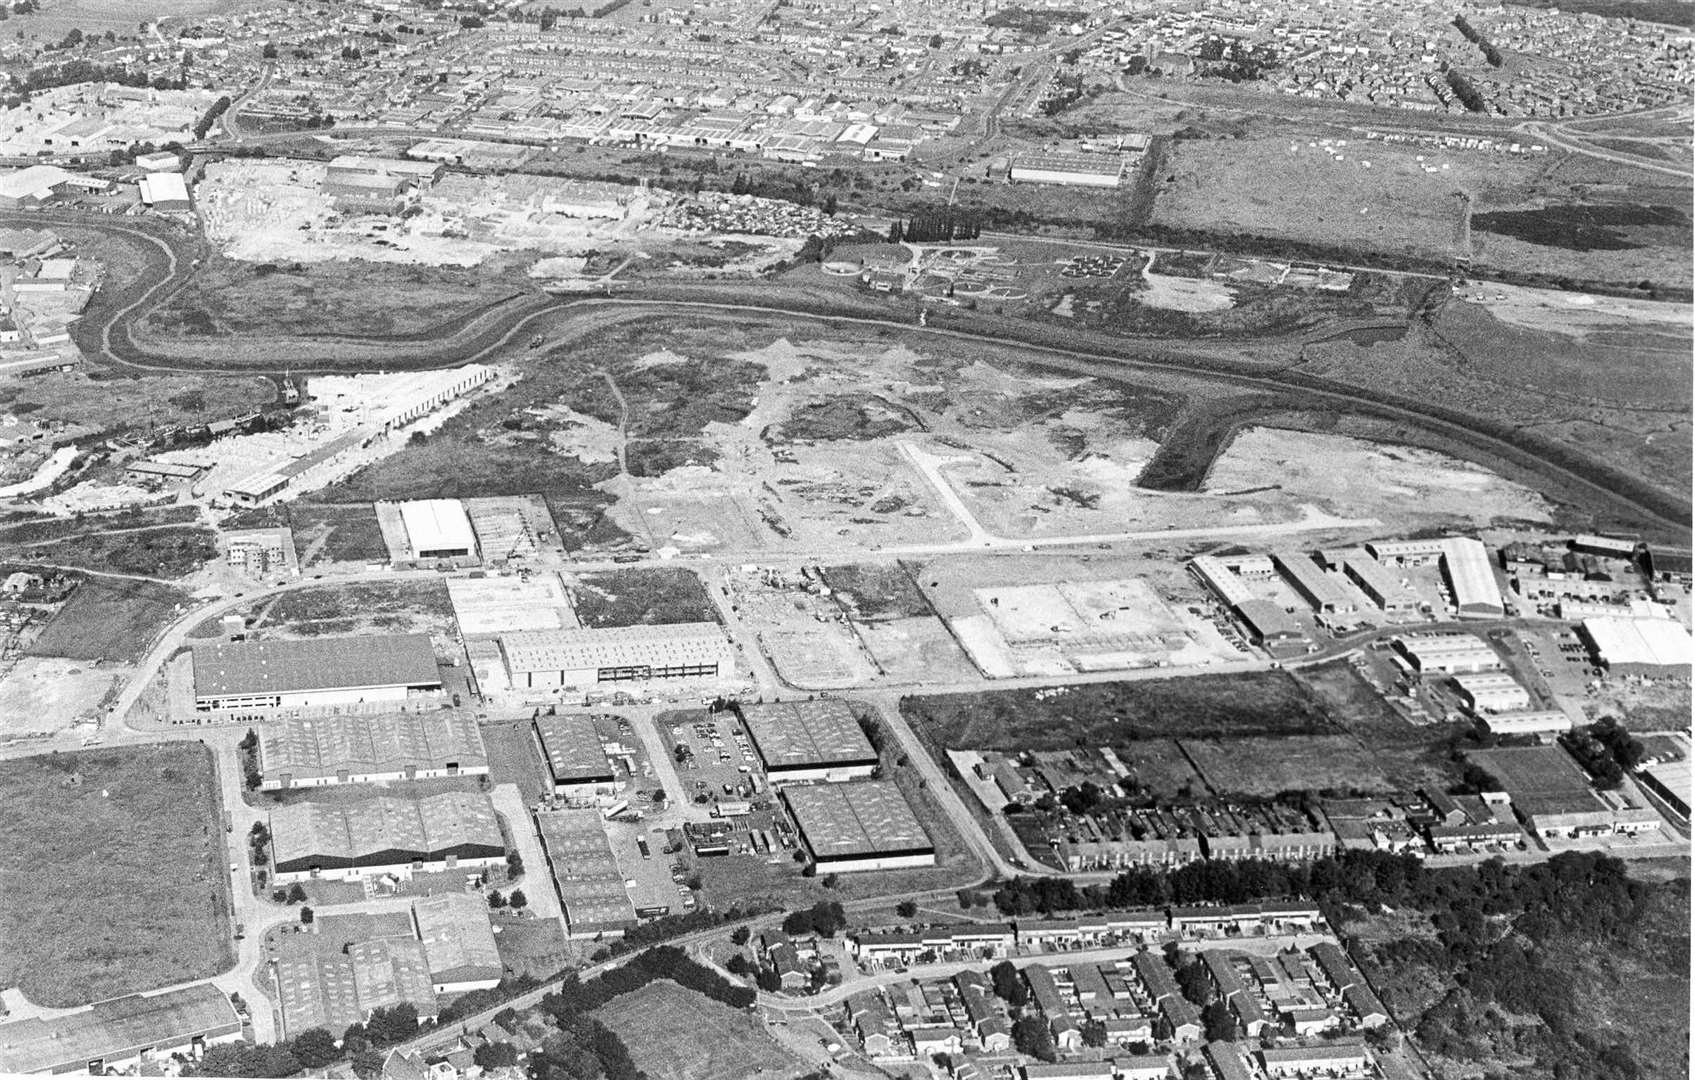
(576, 757)
(458, 942)
(861, 826)
(584, 657)
(385, 835)
(1465, 565)
(336, 990)
(316, 751)
(438, 529)
(313, 672)
(809, 740)
(586, 873)
(116, 1034)
(1644, 648)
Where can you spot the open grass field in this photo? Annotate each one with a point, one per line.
(124, 404)
(167, 552)
(381, 607)
(1269, 766)
(1115, 714)
(642, 596)
(677, 1034)
(112, 866)
(323, 532)
(110, 619)
(352, 298)
(876, 591)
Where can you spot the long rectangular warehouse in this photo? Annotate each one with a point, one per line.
(438, 529)
(1450, 654)
(1325, 593)
(316, 751)
(591, 886)
(584, 657)
(809, 740)
(1465, 563)
(861, 826)
(115, 1034)
(313, 672)
(455, 829)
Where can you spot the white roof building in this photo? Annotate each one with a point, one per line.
(164, 190)
(1652, 648)
(584, 656)
(438, 529)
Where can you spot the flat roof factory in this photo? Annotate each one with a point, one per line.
(809, 740)
(867, 825)
(584, 657)
(312, 751)
(314, 671)
(458, 942)
(1644, 648)
(438, 529)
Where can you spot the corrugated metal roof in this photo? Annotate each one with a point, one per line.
(245, 668)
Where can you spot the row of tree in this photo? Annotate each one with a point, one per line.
(1467, 31)
(314, 1048)
(937, 226)
(1605, 750)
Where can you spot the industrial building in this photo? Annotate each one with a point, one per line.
(1327, 594)
(1447, 654)
(262, 551)
(1382, 588)
(317, 751)
(1269, 625)
(1491, 692)
(458, 942)
(1640, 648)
(862, 826)
(1223, 579)
(313, 672)
(1465, 566)
(438, 529)
(333, 991)
(1670, 781)
(165, 191)
(576, 757)
(121, 1033)
(1532, 722)
(809, 740)
(32, 186)
(1085, 170)
(584, 657)
(385, 835)
(591, 886)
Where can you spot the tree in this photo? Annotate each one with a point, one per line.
(1220, 1024)
(495, 900)
(514, 864)
(739, 936)
(1009, 984)
(269, 52)
(367, 1064)
(1032, 1036)
(495, 1055)
(397, 1023)
(315, 1048)
(1094, 1034)
(906, 909)
(1193, 981)
(297, 893)
(518, 900)
(306, 916)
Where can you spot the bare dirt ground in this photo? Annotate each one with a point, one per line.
(1364, 478)
(43, 695)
